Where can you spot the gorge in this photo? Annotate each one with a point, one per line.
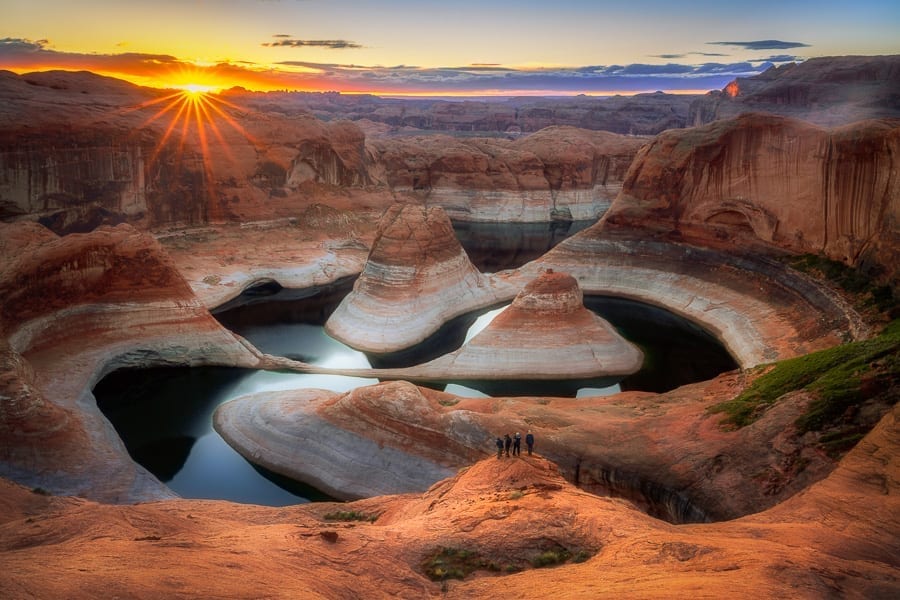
(119, 239)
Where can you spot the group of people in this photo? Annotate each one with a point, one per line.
(515, 443)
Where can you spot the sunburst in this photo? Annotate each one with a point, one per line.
(194, 111)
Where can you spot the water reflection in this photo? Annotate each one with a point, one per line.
(494, 247)
(164, 416)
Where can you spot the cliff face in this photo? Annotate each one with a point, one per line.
(828, 91)
(761, 178)
(558, 172)
(78, 150)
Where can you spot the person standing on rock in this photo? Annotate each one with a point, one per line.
(508, 442)
(529, 441)
(517, 444)
(499, 448)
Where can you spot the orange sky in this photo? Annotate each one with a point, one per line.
(468, 47)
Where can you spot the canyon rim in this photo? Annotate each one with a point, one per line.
(765, 214)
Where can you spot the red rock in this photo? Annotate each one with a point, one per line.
(765, 179)
(416, 278)
(545, 334)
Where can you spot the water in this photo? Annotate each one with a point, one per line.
(494, 247)
(164, 415)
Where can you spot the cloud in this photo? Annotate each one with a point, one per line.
(731, 69)
(483, 78)
(779, 58)
(289, 42)
(763, 45)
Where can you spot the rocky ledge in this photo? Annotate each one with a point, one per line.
(396, 437)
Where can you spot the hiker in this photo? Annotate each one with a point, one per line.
(499, 447)
(529, 441)
(517, 444)
(508, 443)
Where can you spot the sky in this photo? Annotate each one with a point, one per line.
(446, 48)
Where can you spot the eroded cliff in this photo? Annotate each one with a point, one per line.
(764, 180)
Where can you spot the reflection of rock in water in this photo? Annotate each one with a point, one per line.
(494, 247)
(164, 457)
(676, 351)
(298, 488)
(449, 337)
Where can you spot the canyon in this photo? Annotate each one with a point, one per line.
(123, 228)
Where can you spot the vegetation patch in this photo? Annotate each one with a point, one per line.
(457, 563)
(551, 558)
(350, 515)
(860, 283)
(840, 378)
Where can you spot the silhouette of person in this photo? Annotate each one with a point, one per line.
(529, 441)
(499, 447)
(508, 443)
(517, 444)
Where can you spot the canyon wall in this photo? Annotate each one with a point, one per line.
(74, 309)
(557, 173)
(759, 179)
(78, 150)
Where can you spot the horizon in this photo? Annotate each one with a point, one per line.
(405, 49)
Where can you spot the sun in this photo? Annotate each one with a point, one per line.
(197, 89)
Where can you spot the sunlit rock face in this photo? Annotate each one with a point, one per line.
(389, 437)
(546, 333)
(760, 179)
(757, 307)
(556, 173)
(101, 151)
(417, 277)
(838, 538)
(75, 308)
(396, 437)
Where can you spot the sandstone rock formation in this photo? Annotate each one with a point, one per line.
(829, 91)
(545, 334)
(838, 538)
(78, 150)
(640, 114)
(75, 308)
(757, 307)
(612, 445)
(299, 434)
(557, 173)
(417, 277)
(760, 179)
